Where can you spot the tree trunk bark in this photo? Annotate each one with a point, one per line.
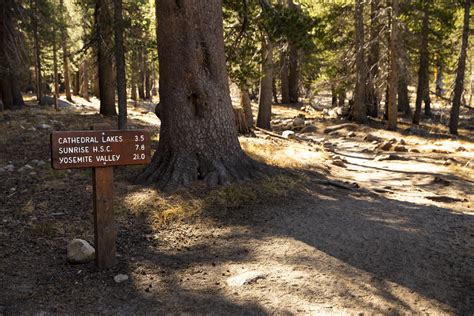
(459, 84)
(423, 83)
(373, 60)
(55, 70)
(285, 88)
(392, 108)
(246, 105)
(85, 80)
(141, 75)
(293, 73)
(120, 65)
(103, 18)
(198, 138)
(359, 108)
(67, 85)
(39, 79)
(77, 83)
(265, 98)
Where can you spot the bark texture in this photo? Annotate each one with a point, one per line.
(373, 60)
(103, 20)
(120, 65)
(67, 85)
(198, 137)
(459, 85)
(359, 108)
(392, 108)
(423, 79)
(265, 98)
(246, 105)
(284, 84)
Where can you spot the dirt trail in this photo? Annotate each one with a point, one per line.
(396, 238)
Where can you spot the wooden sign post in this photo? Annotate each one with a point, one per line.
(101, 149)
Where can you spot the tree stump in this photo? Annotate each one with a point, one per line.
(241, 122)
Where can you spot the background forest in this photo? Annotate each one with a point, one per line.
(376, 58)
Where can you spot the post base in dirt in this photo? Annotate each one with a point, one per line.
(104, 228)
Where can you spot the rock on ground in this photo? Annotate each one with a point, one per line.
(245, 278)
(120, 278)
(80, 251)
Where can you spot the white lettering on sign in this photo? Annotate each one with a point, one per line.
(78, 140)
(108, 158)
(112, 139)
(69, 160)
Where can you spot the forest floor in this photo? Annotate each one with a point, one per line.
(359, 220)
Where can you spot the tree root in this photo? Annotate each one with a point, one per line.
(168, 171)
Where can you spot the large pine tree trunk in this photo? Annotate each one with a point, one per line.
(265, 96)
(103, 18)
(403, 79)
(392, 108)
(373, 60)
(359, 108)
(423, 79)
(459, 85)
(198, 138)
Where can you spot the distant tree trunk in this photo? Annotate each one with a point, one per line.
(154, 90)
(333, 96)
(141, 75)
(373, 60)
(133, 77)
(293, 73)
(285, 88)
(403, 99)
(392, 108)
(359, 109)
(85, 80)
(147, 81)
(423, 80)
(246, 104)
(274, 90)
(77, 82)
(265, 98)
(95, 82)
(439, 78)
(459, 84)
(103, 18)
(120, 65)
(55, 70)
(341, 97)
(67, 86)
(198, 138)
(403, 78)
(39, 79)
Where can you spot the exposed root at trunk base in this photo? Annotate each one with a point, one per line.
(168, 172)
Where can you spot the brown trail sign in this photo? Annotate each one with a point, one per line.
(101, 149)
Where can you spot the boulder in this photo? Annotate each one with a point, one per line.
(385, 146)
(298, 122)
(351, 134)
(80, 251)
(372, 138)
(416, 131)
(288, 134)
(309, 129)
(245, 278)
(400, 148)
(119, 278)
